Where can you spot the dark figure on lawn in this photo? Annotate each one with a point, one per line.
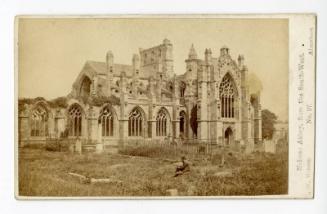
(185, 167)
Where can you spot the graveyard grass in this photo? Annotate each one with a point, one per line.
(147, 171)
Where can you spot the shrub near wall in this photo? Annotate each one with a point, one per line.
(165, 150)
(58, 145)
(157, 149)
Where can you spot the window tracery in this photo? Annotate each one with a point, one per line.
(135, 123)
(161, 124)
(227, 97)
(75, 121)
(107, 122)
(39, 122)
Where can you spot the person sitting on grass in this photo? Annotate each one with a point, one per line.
(185, 167)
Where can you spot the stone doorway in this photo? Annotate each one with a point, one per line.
(229, 138)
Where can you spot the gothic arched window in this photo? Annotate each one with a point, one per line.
(85, 87)
(107, 122)
(161, 124)
(39, 122)
(75, 121)
(182, 121)
(135, 123)
(227, 94)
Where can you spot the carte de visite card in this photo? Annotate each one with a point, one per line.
(165, 106)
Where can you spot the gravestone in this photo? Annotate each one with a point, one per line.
(99, 148)
(78, 146)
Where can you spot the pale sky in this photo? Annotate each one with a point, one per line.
(52, 52)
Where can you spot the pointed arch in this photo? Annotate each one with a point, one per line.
(182, 122)
(75, 119)
(85, 87)
(229, 136)
(136, 122)
(39, 121)
(106, 118)
(162, 122)
(228, 96)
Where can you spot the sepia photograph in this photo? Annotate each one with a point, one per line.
(155, 106)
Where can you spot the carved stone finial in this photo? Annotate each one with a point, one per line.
(192, 54)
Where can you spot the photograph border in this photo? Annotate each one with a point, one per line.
(308, 131)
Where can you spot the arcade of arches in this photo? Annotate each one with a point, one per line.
(209, 103)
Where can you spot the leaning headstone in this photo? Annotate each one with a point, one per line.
(249, 148)
(71, 147)
(78, 146)
(99, 148)
(270, 146)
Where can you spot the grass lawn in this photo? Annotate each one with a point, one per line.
(45, 173)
